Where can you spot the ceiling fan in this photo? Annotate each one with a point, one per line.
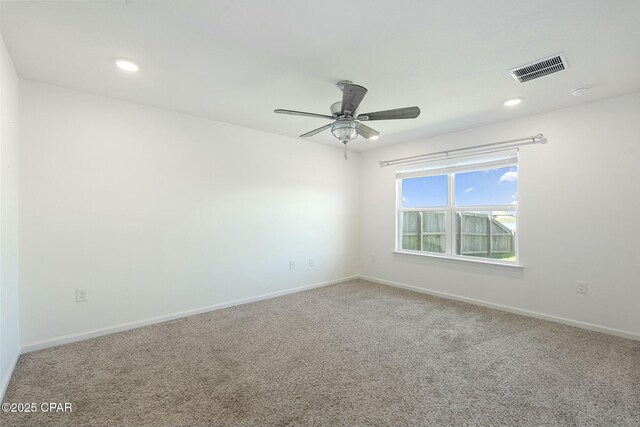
(347, 122)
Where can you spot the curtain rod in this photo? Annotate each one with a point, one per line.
(537, 139)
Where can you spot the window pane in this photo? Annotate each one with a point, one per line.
(487, 187)
(486, 234)
(424, 231)
(425, 192)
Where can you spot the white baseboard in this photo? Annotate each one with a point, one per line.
(132, 325)
(529, 313)
(7, 377)
(66, 339)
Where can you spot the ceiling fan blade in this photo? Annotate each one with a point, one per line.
(398, 113)
(316, 131)
(352, 96)
(302, 113)
(365, 131)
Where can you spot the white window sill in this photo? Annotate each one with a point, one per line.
(487, 262)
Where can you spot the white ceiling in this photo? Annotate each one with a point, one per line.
(237, 60)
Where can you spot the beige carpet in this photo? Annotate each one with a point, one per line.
(348, 354)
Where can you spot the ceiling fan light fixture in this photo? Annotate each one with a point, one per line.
(344, 130)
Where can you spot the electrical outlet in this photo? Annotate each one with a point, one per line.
(292, 265)
(581, 286)
(373, 257)
(311, 263)
(82, 295)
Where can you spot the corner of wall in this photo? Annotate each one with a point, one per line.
(9, 204)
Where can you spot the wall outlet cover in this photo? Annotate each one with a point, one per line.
(82, 295)
(581, 286)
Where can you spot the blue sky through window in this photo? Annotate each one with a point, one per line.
(476, 188)
(487, 187)
(425, 192)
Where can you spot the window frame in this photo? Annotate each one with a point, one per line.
(450, 210)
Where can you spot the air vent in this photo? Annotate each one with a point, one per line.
(541, 68)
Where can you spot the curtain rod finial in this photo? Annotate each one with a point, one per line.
(540, 137)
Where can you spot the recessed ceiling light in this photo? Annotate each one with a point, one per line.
(580, 91)
(127, 65)
(511, 102)
(374, 137)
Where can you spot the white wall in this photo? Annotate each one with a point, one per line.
(579, 217)
(9, 333)
(157, 212)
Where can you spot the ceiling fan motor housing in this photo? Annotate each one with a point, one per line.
(336, 109)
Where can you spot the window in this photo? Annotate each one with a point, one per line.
(424, 202)
(464, 207)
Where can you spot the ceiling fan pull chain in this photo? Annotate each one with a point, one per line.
(345, 151)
